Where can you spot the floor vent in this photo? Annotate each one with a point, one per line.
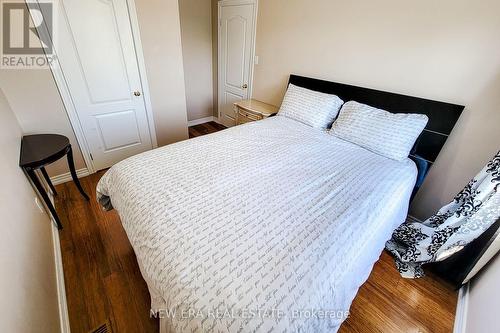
(104, 328)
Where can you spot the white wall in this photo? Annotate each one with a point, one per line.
(28, 301)
(161, 42)
(215, 56)
(484, 300)
(38, 106)
(445, 50)
(196, 33)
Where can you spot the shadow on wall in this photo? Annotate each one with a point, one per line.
(474, 140)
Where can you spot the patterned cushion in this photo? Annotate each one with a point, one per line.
(310, 107)
(389, 134)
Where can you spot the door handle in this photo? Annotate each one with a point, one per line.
(137, 93)
(244, 86)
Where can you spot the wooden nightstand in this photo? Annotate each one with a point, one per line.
(251, 110)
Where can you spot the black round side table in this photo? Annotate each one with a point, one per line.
(39, 150)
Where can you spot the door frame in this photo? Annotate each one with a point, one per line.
(221, 4)
(69, 106)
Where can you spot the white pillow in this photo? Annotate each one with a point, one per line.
(388, 134)
(310, 107)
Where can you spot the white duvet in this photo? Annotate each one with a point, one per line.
(268, 226)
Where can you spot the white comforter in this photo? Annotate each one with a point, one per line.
(268, 226)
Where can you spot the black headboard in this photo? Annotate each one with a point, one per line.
(442, 116)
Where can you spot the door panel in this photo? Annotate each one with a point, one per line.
(235, 45)
(118, 130)
(235, 51)
(97, 56)
(113, 86)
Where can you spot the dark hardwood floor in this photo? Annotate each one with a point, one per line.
(104, 284)
(102, 278)
(206, 128)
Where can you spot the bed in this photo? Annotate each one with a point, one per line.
(271, 225)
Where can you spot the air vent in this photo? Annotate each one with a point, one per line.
(104, 328)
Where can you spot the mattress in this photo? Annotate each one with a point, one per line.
(268, 226)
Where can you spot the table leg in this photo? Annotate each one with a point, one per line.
(47, 179)
(45, 197)
(73, 174)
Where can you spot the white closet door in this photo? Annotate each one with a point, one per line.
(96, 53)
(236, 43)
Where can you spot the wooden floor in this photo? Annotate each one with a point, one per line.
(104, 284)
(102, 278)
(206, 128)
(388, 303)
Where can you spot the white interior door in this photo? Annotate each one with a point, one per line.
(96, 52)
(236, 53)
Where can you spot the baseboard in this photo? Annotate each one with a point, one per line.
(61, 287)
(461, 313)
(216, 119)
(200, 121)
(66, 177)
